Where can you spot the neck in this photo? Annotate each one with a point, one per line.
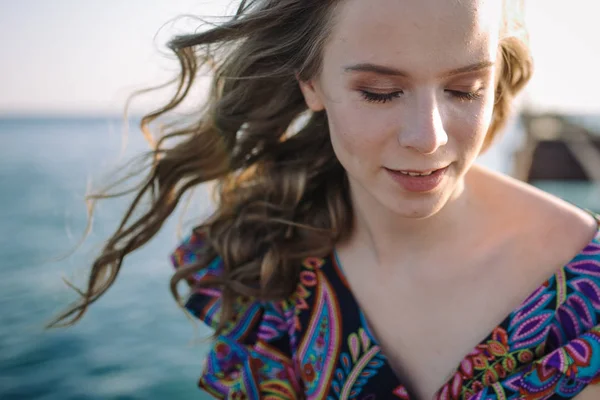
(389, 236)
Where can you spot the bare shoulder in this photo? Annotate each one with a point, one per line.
(545, 221)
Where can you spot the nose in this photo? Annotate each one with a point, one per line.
(423, 128)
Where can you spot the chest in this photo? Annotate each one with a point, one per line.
(425, 334)
(426, 326)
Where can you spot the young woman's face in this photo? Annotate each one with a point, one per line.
(408, 88)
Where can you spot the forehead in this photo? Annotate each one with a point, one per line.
(421, 36)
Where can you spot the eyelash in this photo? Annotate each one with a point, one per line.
(385, 97)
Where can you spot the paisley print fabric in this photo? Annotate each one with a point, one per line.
(317, 345)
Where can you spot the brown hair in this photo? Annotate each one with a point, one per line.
(281, 193)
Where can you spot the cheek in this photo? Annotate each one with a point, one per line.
(473, 126)
(357, 137)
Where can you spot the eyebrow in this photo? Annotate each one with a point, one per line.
(383, 70)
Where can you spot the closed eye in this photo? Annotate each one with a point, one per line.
(466, 96)
(379, 97)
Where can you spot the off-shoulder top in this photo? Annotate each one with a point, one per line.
(317, 345)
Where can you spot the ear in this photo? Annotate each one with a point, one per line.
(312, 95)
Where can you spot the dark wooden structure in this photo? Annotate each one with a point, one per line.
(557, 149)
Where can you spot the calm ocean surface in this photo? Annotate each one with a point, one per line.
(134, 343)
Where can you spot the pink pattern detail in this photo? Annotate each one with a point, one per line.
(401, 392)
(589, 288)
(532, 325)
(586, 267)
(581, 309)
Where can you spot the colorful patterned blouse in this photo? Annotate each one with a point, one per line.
(316, 344)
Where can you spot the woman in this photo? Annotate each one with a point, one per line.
(356, 251)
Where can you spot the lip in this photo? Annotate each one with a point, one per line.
(420, 171)
(418, 184)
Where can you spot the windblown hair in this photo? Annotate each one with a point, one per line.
(281, 193)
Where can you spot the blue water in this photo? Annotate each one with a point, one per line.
(134, 343)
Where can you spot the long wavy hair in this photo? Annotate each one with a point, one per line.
(281, 194)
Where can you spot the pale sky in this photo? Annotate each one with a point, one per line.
(85, 56)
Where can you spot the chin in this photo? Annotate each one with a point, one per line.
(417, 208)
(418, 205)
